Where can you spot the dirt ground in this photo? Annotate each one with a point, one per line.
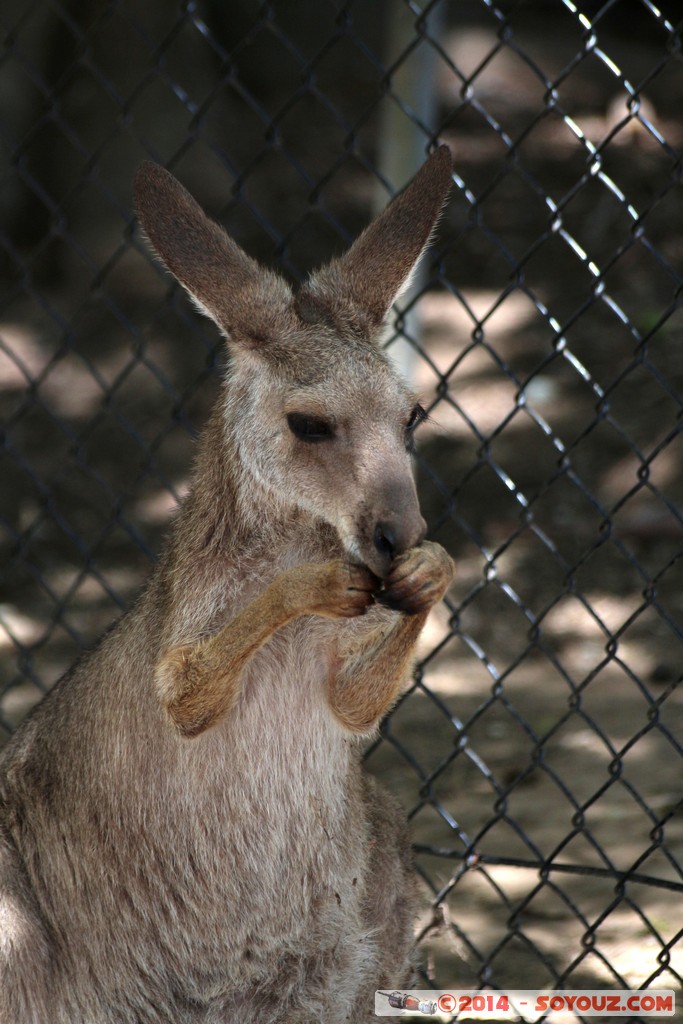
(539, 754)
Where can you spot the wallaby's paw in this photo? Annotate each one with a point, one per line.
(418, 579)
(348, 591)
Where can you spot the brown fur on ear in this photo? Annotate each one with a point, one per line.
(359, 287)
(245, 300)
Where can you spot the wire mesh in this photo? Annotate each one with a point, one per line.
(539, 751)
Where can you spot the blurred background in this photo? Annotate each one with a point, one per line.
(539, 752)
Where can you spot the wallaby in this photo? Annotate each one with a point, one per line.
(186, 832)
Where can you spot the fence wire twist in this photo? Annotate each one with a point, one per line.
(540, 749)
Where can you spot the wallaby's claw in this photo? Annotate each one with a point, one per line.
(418, 579)
(350, 590)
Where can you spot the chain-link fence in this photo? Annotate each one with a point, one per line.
(540, 751)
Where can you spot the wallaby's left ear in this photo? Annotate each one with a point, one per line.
(378, 266)
(247, 302)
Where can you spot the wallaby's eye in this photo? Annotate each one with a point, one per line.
(417, 416)
(309, 428)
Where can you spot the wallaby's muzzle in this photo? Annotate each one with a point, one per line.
(392, 526)
(390, 538)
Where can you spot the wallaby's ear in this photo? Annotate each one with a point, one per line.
(378, 266)
(226, 284)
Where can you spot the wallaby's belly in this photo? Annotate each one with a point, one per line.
(196, 948)
(241, 880)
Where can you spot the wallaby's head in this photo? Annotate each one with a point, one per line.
(317, 413)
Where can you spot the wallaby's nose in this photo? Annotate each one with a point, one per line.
(393, 539)
(385, 540)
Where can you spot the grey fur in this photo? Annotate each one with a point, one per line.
(186, 834)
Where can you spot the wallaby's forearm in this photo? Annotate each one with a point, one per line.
(365, 683)
(200, 682)
(361, 690)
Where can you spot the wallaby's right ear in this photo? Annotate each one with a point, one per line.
(379, 264)
(224, 282)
